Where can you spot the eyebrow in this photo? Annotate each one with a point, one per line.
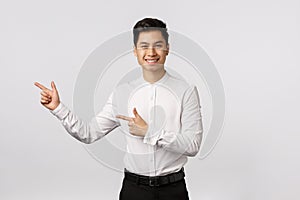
(154, 42)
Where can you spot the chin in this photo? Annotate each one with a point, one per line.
(153, 68)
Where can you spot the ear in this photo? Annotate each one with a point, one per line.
(167, 51)
(134, 51)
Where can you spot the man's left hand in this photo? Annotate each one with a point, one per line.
(137, 125)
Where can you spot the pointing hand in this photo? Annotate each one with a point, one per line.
(49, 98)
(137, 126)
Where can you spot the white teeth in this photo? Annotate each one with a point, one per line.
(151, 61)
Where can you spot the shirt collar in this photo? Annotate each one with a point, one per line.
(141, 80)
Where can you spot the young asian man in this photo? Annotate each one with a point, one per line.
(164, 122)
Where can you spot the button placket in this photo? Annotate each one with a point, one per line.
(153, 119)
(152, 95)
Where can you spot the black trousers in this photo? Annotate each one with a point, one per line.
(133, 191)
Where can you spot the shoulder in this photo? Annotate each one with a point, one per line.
(123, 90)
(180, 85)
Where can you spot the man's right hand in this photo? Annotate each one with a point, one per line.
(49, 98)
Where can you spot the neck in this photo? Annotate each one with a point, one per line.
(152, 77)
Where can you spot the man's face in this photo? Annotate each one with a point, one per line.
(151, 50)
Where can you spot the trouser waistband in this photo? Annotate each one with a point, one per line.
(155, 180)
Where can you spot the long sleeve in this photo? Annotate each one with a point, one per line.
(100, 125)
(187, 141)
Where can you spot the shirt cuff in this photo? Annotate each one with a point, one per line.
(152, 140)
(60, 111)
(166, 138)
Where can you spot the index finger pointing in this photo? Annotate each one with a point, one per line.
(40, 86)
(124, 117)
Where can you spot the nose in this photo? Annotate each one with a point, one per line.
(151, 51)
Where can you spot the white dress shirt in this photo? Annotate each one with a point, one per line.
(170, 107)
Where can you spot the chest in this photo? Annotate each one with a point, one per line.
(156, 105)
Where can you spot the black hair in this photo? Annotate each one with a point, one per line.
(148, 24)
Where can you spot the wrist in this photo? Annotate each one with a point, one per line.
(55, 106)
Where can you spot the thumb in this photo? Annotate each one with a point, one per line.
(136, 113)
(53, 86)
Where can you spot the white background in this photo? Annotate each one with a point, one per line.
(253, 44)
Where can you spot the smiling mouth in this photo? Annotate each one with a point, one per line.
(152, 61)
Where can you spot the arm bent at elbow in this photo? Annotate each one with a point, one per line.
(103, 123)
